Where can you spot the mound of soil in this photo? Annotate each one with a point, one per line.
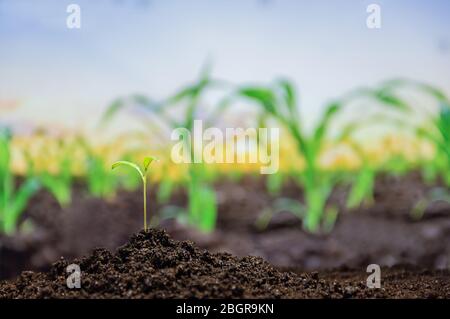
(151, 265)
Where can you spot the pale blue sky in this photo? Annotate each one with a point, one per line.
(155, 46)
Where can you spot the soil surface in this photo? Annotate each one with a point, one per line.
(384, 233)
(151, 265)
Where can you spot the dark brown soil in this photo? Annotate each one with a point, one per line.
(151, 265)
(384, 234)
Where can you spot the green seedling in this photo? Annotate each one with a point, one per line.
(202, 205)
(201, 209)
(100, 183)
(143, 174)
(129, 182)
(165, 187)
(274, 183)
(436, 130)
(279, 101)
(12, 201)
(59, 184)
(361, 192)
(397, 165)
(99, 180)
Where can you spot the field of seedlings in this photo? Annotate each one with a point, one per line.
(224, 158)
(368, 186)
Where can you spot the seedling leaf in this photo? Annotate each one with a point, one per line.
(126, 163)
(147, 161)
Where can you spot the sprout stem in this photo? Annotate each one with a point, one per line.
(145, 204)
(143, 173)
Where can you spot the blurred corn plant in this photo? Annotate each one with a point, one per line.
(279, 101)
(129, 182)
(202, 206)
(59, 183)
(362, 186)
(274, 183)
(165, 187)
(435, 129)
(100, 182)
(12, 201)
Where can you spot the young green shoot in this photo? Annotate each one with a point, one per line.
(361, 192)
(100, 182)
(202, 207)
(143, 174)
(436, 131)
(58, 184)
(12, 201)
(279, 102)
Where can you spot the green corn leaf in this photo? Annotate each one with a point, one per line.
(165, 190)
(433, 91)
(100, 182)
(18, 203)
(438, 94)
(264, 219)
(143, 100)
(264, 97)
(315, 203)
(5, 154)
(187, 92)
(329, 219)
(424, 132)
(208, 211)
(6, 181)
(274, 183)
(289, 205)
(386, 97)
(362, 188)
(289, 95)
(193, 90)
(194, 203)
(138, 100)
(112, 110)
(324, 123)
(444, 118)
(57, 186)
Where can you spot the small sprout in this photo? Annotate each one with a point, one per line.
(143, 173)
(202, 204)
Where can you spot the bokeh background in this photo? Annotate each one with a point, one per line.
(364, 198)
(54, 75)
